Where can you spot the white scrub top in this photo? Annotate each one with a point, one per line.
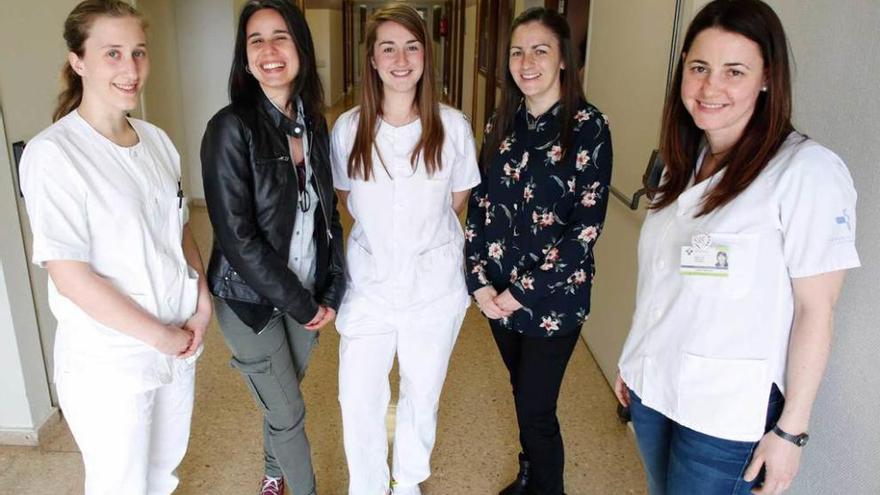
(117, 209)
(704, 349)
(406, 249)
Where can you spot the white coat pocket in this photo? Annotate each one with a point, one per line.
(725, 398)
(439, 272)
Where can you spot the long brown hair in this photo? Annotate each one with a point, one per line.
(570, 93)
(768, 127)
(76, 32)
(360, 161)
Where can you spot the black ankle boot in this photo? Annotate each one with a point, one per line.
(519, 485)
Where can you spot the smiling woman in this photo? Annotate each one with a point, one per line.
(276, 269)
(125, 277)
(406, 224)
(719, 382)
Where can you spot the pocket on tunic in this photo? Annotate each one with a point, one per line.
(742, 261)
(440, 272)
(725, 398)
(360, 264)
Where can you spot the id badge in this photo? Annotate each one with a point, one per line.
(711, 261)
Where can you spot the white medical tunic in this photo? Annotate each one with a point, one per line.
(707, 343)
(118, 209)
(405, 250)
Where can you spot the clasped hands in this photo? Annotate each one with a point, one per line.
(494, 305)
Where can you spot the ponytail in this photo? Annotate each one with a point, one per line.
(71, 94)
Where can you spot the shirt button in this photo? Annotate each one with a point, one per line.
(661, 264)
(297, 232)
(658, 313)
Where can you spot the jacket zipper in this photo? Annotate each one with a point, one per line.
(318, 184)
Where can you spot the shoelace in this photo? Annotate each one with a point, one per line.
(272, 483)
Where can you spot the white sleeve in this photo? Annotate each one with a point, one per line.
(466, 171)
(817, 204)
(339, 152)
(56, 197)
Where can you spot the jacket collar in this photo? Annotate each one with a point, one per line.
(281, 121)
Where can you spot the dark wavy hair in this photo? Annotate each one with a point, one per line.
(770, 124)
(244, 89)
(571, 93)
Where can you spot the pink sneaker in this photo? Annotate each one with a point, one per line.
(272, 486)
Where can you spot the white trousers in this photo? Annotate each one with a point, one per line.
(131, 443)
(423, 343)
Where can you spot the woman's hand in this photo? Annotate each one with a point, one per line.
(173, 341)
(780, 459)
(324, 316)
(198, 325)
(621, 391)
(485, 298)
(507, 302)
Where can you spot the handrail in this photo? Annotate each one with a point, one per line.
(651, 178)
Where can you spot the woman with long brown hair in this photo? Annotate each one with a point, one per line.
(531, 228)
(126, 282)
(404, 165)
(741, 260)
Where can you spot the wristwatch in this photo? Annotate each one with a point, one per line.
(799, 440)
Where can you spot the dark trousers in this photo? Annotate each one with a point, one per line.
(536, 366)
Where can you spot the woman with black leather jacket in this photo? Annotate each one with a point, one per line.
(276, 269)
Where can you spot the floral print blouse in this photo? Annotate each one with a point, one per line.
(535, 217)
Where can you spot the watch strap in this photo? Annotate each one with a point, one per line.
(798, 440)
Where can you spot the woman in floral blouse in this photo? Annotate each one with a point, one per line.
(532, 224)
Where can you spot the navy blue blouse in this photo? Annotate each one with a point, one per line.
(535, 217)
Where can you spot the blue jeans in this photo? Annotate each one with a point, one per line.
(681, 461)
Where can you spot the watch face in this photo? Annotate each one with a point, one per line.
(802, 439)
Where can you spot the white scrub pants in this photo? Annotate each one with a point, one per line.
(423, 342)
(131, 443)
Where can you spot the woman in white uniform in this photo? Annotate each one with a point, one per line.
(741, 261)
(403, 164)
(125, 277)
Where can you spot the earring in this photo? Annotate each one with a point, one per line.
(248, 69)
(764, 89)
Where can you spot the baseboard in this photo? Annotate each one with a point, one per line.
(29, 437)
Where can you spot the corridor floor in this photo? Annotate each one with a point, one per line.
(476, 447)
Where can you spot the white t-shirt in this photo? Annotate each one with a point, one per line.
(405, 250)
(706, 344)
(117, 209)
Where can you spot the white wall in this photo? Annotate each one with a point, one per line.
(32, 53)
(205, 39)
(26, 403)
(836, 50)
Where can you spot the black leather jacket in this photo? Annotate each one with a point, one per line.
(251, 193)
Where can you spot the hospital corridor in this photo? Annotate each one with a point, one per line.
(631, 64)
